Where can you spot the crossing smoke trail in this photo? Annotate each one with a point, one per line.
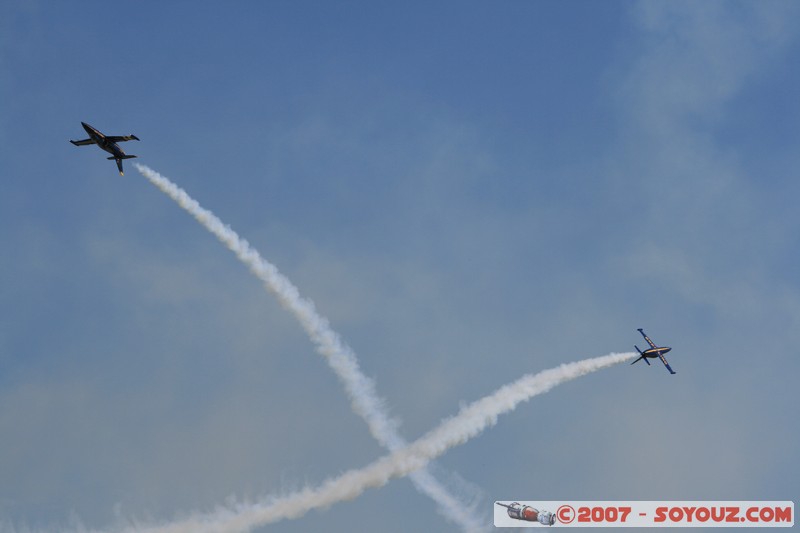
(340, 357)
(468, 423)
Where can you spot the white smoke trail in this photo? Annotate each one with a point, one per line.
(340, 357)
(468, 423)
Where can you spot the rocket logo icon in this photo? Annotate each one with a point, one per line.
(529, 514)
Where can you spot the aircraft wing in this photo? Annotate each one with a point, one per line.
(652, 345)
(120, 138)
(664, 360)
(84, 142)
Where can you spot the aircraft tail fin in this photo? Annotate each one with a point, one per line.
(641, 356)
(119, 162)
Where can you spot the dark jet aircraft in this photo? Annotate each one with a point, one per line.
(653, 352)
(107, 143)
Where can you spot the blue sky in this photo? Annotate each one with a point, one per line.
(469, 191)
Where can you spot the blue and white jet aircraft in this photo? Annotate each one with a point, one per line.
(653, 352)
(107, 143)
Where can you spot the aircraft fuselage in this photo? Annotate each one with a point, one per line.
(101, 141)
(656, 352)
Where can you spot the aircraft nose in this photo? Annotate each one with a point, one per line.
(667, 349)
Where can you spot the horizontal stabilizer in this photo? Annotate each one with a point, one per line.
(121, 157)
